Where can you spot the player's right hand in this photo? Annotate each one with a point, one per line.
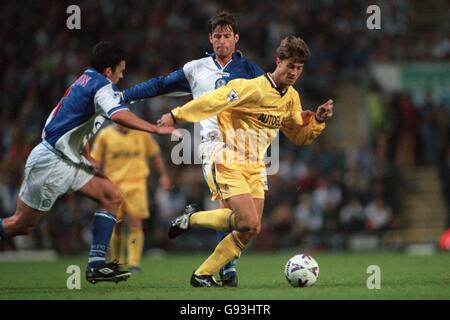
(168, 130)
(166, 120)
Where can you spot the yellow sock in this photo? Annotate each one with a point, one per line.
(219, 219)
(117, 246)
(229, 248)
(135, 246)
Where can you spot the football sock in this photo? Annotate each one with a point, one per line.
(2, 231)
(135, 246)
(219, 219)
(227, 249)
(118, 245)
(102, 228)
(230, 267)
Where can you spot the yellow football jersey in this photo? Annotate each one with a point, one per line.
(124, 156)
(250, 113)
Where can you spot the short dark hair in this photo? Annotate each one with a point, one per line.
(223, 19)
(106, 54)
(293, 48)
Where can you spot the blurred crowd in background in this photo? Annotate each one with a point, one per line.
(321, 191)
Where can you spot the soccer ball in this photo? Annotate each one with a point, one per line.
(301, 271)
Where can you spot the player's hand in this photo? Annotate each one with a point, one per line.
(325, 111)
(166, 120)
(164, 182)
(168, 130)
(164, 130)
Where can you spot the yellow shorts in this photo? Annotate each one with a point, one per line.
(226, 180)
(135, 202)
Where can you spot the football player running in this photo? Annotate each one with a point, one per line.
(198, 77)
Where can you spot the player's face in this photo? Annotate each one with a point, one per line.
(223, 41)
(289, 71)
(118, 72)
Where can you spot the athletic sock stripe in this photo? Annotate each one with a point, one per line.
(230, 270)
(231, 222)
(105, 215)
(237, 242)
(100, 251)
(103, 211)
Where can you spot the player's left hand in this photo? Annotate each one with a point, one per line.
(166, 120)
(325, 111)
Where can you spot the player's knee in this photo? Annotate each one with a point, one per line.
(117, 199)
(135, 224)
(249, 224)
(113, 201)
(253, 232)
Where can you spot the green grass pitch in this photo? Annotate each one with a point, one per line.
(342, 276)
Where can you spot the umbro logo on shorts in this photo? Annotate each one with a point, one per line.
(46, 203)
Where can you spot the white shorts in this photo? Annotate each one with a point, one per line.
(48, 176)
(205, 152)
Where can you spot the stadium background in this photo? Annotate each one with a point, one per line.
(378, 178)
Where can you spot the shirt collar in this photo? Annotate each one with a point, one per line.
(274, 85)
(235, 55)
(90, 69)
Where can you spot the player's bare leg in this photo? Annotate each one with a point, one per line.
(22, 222)
(247, 221)
(102, 190)
(228, 273)
(242, 214)
(247, 217)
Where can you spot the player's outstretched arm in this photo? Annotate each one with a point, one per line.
(306, 126)
(236, 93)
(174, 83)
(130, 120)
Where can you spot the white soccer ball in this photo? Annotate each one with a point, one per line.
(301, 271)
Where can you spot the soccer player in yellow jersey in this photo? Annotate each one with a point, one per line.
(123, 156)
(249, 113)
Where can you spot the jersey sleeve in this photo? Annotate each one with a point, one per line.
(98, 147)
(151, 146)
(189, 71)
(302, 128)
(257, 71)
(236, 93)
(109, 100)
(175, 83)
